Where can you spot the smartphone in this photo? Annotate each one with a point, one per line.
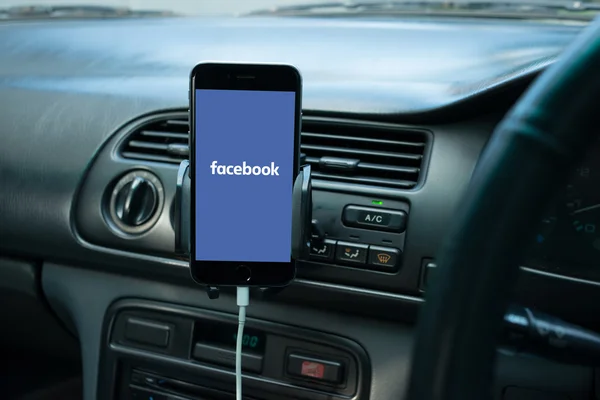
(244, 155)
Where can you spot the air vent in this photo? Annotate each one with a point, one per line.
(370, 155)
(164, 140)
(348, 152)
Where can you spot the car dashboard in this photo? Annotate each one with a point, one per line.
(93, 112)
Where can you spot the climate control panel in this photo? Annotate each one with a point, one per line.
(360, 255)
(360, 232)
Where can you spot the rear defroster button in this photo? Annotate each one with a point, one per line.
(383, 258)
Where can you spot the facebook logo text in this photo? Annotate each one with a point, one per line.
(244, 169)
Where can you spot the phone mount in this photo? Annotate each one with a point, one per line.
(305, 229)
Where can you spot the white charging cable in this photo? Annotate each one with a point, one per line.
(243, 299)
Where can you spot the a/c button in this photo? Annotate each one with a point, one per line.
(375, 218)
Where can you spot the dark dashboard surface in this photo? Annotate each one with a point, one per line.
(66, 86)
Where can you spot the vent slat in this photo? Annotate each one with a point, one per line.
(318, 136)
(163, 134)
(389, 168)
(183, 123)
(373, 167)
(151, 157)
(343, 152)
(366, 180)
(138, 144)
(338, 150)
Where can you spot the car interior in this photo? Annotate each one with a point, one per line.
(455, 173)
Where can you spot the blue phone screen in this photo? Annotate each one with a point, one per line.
(244, 171)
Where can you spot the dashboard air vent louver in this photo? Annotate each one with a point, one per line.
(163, 140)
(371, 155)
(375, 155)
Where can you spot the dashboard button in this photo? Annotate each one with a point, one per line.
(323, 250)
(384, 258)
(354, 253)
(375, 218)
(315, 368)
(428, 270)
(147, 332)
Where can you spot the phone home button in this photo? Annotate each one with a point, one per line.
(243, 273)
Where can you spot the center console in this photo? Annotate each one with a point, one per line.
(156, 351)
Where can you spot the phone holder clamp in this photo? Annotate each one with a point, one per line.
(305, 229)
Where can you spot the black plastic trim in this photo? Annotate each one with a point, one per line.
(111, 353)
(157, 244)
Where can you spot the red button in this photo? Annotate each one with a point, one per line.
(313, 369)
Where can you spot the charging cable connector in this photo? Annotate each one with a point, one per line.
(243, 299)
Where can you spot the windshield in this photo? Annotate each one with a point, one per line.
(185, 7)
(561, 9)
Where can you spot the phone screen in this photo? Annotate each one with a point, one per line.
(244, 171)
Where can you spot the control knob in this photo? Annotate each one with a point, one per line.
(136, 201)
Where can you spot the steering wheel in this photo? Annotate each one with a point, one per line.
(524, 164)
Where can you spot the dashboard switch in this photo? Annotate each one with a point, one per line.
(355, 253)
(375, 218)
(384, 258)
(147, 332)
(315, 368)
(323, 250)
(427, 270)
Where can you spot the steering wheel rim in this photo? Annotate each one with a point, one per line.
(524, 163)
